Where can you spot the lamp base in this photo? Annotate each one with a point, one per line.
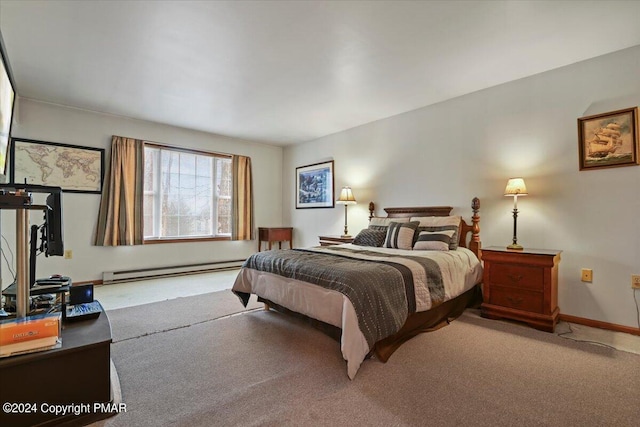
(515, 247)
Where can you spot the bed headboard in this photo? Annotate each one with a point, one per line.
(472, 242)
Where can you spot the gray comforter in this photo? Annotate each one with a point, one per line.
(381, 291)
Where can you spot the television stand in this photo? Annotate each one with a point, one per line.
(18, 197)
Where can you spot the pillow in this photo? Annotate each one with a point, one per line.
(434, 240)
(400, 235)
(440, 223)
(379, 223)
(369, 237)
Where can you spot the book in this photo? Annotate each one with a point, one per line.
(32, 333)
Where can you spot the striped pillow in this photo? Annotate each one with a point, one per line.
(369, 237)
(434, 240)
(440, 223)
(400, 235)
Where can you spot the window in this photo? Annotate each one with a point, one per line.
(187, 194)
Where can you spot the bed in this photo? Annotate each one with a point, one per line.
(410, 272)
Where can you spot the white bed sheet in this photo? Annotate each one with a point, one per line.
(461, 270)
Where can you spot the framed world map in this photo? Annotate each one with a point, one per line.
(73, 168)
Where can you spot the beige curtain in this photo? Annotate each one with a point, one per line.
(242, 214)
(120, 217)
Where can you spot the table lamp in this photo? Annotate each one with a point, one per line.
(515, 188)
(346, 198)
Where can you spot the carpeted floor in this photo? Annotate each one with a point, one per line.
(133, 322)
(265, 368)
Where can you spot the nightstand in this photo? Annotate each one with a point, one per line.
(275, 234)
(521, 285)
(334, 240)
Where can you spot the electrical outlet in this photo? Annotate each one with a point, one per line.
(635, 281)
(68, 254)
(587, 275)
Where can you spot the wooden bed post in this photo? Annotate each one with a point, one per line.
(372, 208)
(475, 244)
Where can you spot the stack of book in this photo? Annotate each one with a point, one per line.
(30, 334)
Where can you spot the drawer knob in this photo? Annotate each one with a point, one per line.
(515, 300)
(515, 277)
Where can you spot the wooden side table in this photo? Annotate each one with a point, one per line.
(521, 285)
(275, 234)
(334, 240)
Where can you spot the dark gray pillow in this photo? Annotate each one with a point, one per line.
(369, 237)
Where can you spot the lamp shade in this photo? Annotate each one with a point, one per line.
(346, 197)
(515, 187)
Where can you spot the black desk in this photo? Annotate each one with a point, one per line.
(78, 372)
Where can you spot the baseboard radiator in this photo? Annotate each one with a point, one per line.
(109, 277)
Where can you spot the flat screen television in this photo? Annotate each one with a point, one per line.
(53, 225)
(7, 103)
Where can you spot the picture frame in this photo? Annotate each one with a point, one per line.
(74, 168)
(315, 186)
(609, 139)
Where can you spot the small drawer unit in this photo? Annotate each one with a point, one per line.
(521, 285)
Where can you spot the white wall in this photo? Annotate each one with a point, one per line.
(448, 153)
(46, 122)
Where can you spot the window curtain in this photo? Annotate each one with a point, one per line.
(242, 214)
(120, 217)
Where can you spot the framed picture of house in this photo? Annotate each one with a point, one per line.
(609, 139)
(314, 186)
(73, 168)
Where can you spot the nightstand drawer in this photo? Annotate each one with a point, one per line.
(518, 299)
(517, 276)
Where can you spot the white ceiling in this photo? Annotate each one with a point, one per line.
(284, 72)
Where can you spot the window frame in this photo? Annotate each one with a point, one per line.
(160, 240)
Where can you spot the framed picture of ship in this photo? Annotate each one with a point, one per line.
(609, 139)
